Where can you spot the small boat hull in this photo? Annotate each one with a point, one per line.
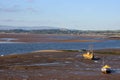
(106, 69)
(88, 55)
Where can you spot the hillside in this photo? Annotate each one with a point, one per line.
(4, 27)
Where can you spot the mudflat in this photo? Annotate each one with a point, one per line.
(57, 65)
(27, 37)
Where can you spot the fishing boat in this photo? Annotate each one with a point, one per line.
(106, 69)
(89, 54)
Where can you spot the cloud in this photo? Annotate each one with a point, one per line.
(31, 9)
(12, 10)
(7, 20)
(11, 20)
(18, 21)
(29, 0)
(9, 10)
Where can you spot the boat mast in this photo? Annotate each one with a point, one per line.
(91, 48)
(103, 61)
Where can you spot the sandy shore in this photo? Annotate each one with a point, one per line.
(57, 65)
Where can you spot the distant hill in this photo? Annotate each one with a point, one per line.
(55, 30)
(4, 27)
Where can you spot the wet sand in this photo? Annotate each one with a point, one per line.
(57, 65)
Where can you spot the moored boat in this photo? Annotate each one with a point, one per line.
(106, 69)
(88, 55)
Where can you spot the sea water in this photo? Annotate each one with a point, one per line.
(18, 47)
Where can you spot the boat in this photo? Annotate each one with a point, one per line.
(88, 55)
(106, 69)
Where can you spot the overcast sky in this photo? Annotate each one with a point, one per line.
(71, 14)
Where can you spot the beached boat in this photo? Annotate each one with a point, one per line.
(106, 69)
(88, 55)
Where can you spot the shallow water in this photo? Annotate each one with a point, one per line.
(16, 48)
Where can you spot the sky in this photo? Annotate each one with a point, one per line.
(70, 14)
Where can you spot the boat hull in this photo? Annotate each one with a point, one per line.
(88, 56)
(106, 70)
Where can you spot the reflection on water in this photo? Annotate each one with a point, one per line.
(13, 48)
